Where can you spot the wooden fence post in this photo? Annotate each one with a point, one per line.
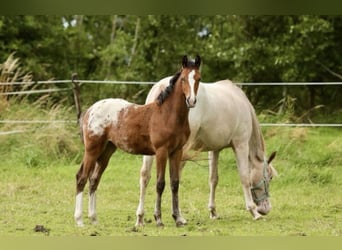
(76, 91)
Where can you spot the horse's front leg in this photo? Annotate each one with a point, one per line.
(241, 152)
(145, 176)
(161, 159)
(213, 180)
(175, 161)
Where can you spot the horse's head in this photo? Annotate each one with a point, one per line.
(190, 77)
(261, 177)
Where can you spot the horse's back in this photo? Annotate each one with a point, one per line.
(102, 114)
(223, 114)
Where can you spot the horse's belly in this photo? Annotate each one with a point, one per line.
(207, 143)
(137, 150)
(135, 144)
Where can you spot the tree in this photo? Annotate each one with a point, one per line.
(148, 48)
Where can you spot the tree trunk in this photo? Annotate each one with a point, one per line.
(111, 42)
(135, 42)
(282, 107)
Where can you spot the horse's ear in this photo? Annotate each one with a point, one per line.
(271, 157)
(197, 61)
(185, 61)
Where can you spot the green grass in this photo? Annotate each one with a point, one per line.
(39, 189)
(38, 168)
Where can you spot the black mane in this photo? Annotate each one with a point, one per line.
(185, 64)
(168, 90)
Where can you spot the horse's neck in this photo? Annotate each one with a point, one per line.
(174, 106)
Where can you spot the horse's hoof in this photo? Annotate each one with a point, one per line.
(139, 224)
(80, 224)
(140, 221)
(257, 216)
(180, 223)
(213, 215)
(160, 224)
(135, 229)
(93, 220)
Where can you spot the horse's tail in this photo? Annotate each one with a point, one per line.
(256, 142)
(80, 114)
(80, 124)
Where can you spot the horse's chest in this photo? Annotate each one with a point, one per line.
(174, 137)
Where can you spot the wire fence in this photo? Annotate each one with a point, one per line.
(153, 82)
(115, 82)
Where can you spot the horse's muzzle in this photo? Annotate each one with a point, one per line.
(191, 102)
(264, 207)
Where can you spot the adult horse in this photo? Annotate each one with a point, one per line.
(160, 128)
(223, 117)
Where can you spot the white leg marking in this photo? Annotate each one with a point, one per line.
(145, 176)
(92, 208)
(78, 210)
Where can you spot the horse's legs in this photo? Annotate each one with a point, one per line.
(213, 180)
(175, 160)
(161, 159)
(145, 176)
(95, 177)
(241, 152)
(82, 175)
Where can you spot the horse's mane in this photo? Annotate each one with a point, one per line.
(256, 142)
(168, 90)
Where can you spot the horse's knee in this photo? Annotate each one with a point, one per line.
(145, 175)
(174, 186)
(79, 173)
(160, 187)
(213, 180)
(80, 183)
(93, 183)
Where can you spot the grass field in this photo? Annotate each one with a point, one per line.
(37, 187)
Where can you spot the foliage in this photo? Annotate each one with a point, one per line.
(148, 48)
(10, 72)
(39, 164)
(36, 145)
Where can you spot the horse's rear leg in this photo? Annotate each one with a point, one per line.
(95, 177)
(175, 162)
(82, 175)
(145, 176)
(213, 180)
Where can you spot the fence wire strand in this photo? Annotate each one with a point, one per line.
(141, 83)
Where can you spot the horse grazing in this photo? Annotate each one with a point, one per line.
(160, 128)
(223, 117)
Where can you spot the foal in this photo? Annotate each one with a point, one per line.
(160, 128)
